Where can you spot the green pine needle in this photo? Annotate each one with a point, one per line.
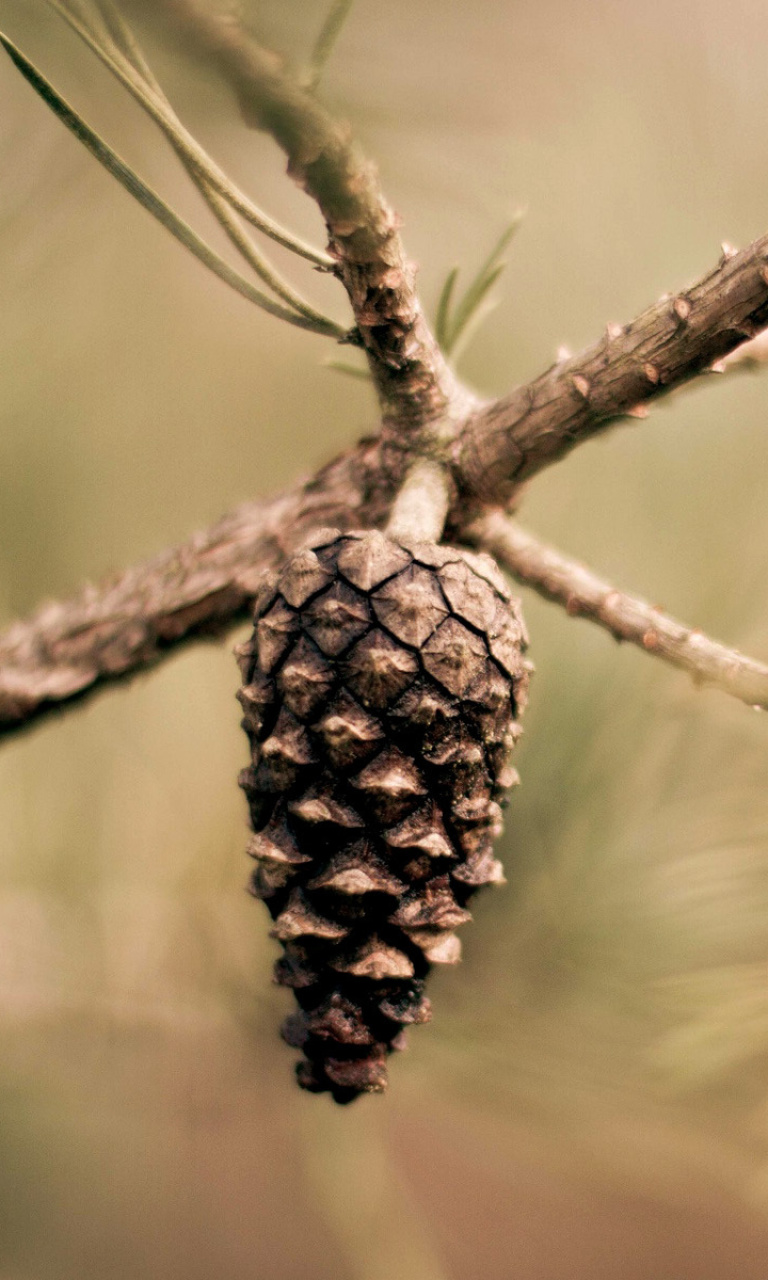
(351, 370)
(472, 300)
(444, 309)
(455, 322)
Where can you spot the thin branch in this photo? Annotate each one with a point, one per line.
(418, 391)
(626, 617)
(128, 624)
(154, 204)
(672, 342)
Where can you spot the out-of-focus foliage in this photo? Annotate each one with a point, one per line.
(592, 1097)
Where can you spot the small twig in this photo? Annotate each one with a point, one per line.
(154, 204)
(421, 506)
(626, 617)
(329, 34)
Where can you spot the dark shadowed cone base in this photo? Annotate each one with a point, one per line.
(381, 690)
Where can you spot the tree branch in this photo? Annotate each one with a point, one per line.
(498, 445)
(679, 337)
(584, 595)
(418, 390)
(129, 623)
(201, 589)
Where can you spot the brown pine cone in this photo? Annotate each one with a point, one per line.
(381, 692)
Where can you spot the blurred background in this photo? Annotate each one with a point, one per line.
(592, 1097)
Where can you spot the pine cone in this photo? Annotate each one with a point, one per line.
(381, 689)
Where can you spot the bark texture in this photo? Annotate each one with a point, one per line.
(417, 388)
(382, 688)
(683, 335)
(127, 624)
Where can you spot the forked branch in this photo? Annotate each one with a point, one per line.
(130, 623)
(498, 445)
(205, 587)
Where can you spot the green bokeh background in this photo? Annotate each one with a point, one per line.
(592, 1097)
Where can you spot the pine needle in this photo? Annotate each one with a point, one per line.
(444, 309)
(329, 34)
(119, 51)
(454, 322)
(151, 201)
(351, 370)
(160, 110)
